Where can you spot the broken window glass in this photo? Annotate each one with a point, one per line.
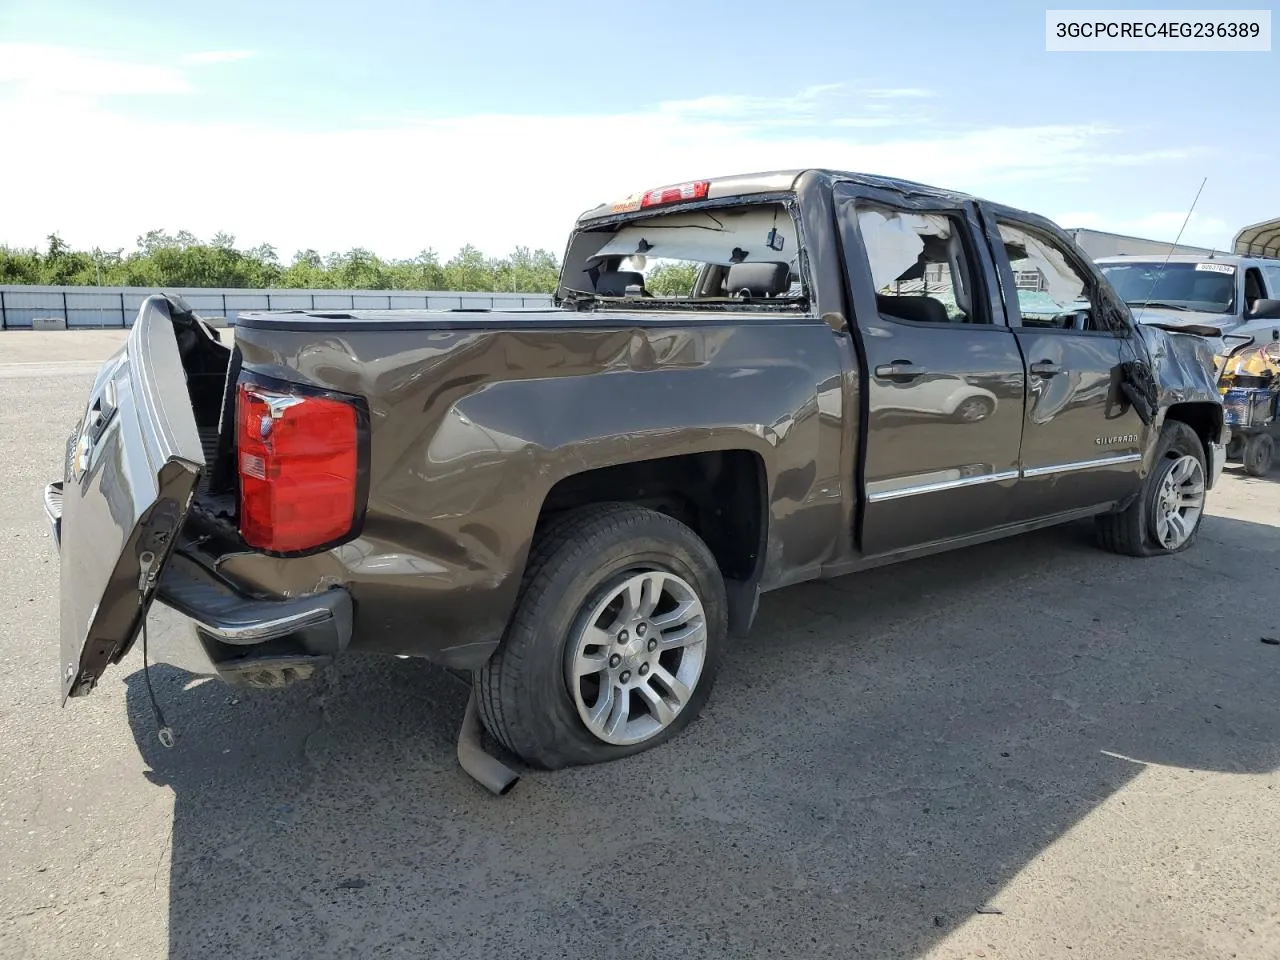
(919, 265)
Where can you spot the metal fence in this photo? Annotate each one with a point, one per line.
(89, 307)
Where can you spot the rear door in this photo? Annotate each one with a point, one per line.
(131, 470)
(940, 369)
(1081, 441)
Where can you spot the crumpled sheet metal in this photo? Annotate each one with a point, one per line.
(1183, 366)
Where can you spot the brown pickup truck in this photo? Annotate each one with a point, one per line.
(745, 383)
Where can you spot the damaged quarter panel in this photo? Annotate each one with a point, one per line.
(472, 423)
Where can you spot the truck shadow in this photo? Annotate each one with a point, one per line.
(883, 755)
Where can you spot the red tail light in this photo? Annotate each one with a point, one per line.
(696, 190)
(299, 464)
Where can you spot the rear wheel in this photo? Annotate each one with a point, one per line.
(1165, 517)
(615, 642)
(1259, 451)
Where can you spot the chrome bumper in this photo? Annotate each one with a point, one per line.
(250, 641)
(1217, 459)
(53, 511)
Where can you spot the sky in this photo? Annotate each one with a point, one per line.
(402, 126)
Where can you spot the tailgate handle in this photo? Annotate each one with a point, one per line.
(100, 413)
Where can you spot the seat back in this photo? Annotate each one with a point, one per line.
(614, 283)
(917, 309)
(758, 280)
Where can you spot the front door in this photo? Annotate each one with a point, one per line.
(943, 379)
(1081, 439)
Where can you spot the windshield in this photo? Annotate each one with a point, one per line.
(737, 256)
(1206, 286)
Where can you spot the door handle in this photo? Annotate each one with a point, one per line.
(1046, 368)
(900, 370)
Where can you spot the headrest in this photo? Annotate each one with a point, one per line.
(614, 283)
(758, 279)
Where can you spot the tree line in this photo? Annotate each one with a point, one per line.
(182, 260)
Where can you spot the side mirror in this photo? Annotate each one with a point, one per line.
(1265, 310)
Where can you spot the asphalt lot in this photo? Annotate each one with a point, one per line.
(1030, 749)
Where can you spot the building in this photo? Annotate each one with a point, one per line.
(1099, 243)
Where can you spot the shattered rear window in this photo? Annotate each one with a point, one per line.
(715, 257)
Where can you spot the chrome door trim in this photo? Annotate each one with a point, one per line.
(1081, 465)
(886, 492)
(893, 493)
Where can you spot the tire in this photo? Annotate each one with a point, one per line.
(1259, 451)
(527, 698)
(973, 410)
(1134, 531)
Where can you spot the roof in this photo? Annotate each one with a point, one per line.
(1259, 240)
(777, 181)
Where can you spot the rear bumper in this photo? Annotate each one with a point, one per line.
(252, 641)
(216, 608)
(1217, 458)
(53, 511)
(242, 639)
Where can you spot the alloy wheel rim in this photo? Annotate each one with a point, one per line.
(1179, 502)
(635, 659)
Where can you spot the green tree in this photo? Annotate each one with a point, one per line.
(671, 279)
(164, 259)
(469, 270)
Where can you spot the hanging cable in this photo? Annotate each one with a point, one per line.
(164, 732)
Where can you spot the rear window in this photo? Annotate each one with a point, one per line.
(712, 257)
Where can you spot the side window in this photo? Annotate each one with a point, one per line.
(920, 265)
(1272, 275)
(1053, 293)
(1252, 288)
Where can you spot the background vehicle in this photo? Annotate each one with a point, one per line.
(581, 506)
(1236, 294)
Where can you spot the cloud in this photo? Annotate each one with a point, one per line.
(217, 56)
(810, 103)
(899, 93)
(806, 102)
(60, 70)
(866, 123)
(397, 186)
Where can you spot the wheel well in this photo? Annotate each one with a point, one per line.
(1204, 418)
(719, 495)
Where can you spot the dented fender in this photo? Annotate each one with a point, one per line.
(1184, 371)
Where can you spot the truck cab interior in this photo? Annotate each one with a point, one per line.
(726, 256)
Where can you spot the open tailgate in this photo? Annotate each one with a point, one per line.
(131, 471)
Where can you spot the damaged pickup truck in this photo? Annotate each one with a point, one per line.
(579, 506)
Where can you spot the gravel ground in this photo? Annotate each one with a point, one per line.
(1029, 749)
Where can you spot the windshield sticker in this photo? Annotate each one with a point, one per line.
(1216, 267)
